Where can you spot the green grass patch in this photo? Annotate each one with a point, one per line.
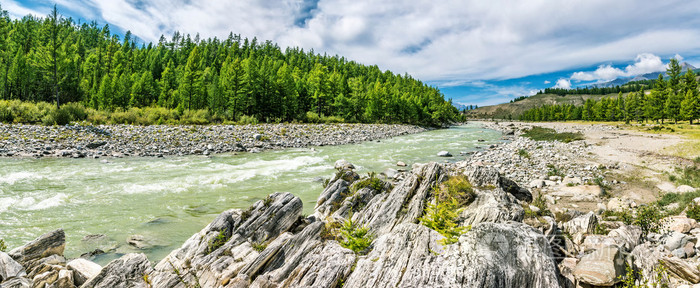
(523, 153)
(218, 241)
(259, 246)
(683, 200)
(371, 182)
(548, 134)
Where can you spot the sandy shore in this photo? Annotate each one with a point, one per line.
(635, 165)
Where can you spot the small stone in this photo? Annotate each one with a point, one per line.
(685, 189)
(343, 164)
(401, 164)
(444, 154)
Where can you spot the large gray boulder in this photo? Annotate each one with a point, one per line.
(9, 268)
(491, 206)
(491, 255)
(603, 267)
(126, 271)
(52, 243)
(483, 176)
(585, 224)
(83, 270)
(17, 282)
(681, 269)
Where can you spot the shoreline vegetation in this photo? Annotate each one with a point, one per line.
(83, 67)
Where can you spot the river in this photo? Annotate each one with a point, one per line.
(169, 199)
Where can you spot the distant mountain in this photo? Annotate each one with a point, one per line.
(460, 107)
(503, 111)
(649, 76)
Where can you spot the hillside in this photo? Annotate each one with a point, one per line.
(503, 111)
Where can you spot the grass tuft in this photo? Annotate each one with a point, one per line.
(548, 134)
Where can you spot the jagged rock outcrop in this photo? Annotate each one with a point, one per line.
(493, 205)
(482, 176)
(272, 245)
(52, 243)
(226, 246)
(491, 255)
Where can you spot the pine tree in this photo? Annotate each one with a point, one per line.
(689, 107)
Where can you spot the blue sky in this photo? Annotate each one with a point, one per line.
(475, 51)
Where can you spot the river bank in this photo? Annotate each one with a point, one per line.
(78, 141)
(532, 214)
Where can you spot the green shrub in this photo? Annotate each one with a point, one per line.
(332, 119)
(218, 241)
(357, 239)
(442, 217)
(649, 219)
(554, 171)
(625, 216)
(693, 211)
(548, 134)
(3, 246)
(371, 182)
(683, 200)
(245, 119)
(458, 188)
(195, 117)
(541, 204)
(312, 117)
(523, 153)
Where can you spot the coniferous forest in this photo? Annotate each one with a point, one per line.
(674, 99)
(54, 59)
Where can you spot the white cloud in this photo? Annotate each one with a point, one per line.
(563, 83)
(547, 82)
(452, 41)
(644, 63)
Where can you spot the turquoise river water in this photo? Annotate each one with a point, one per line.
(169, 199)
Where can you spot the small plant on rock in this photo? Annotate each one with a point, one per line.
(218, 241)
(357, 239)
(3, 246)
(442, 217)
(458, 188)
(259, 246)
(693, 211)
(371, 182)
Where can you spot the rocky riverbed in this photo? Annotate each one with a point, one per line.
(509, 238)
(80, 141)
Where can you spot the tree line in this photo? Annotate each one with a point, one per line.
(629, 87)
(675, 99)
(54, 59)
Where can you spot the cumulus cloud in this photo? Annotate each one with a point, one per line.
(563, 84)
(643, 63)
(451, 41)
